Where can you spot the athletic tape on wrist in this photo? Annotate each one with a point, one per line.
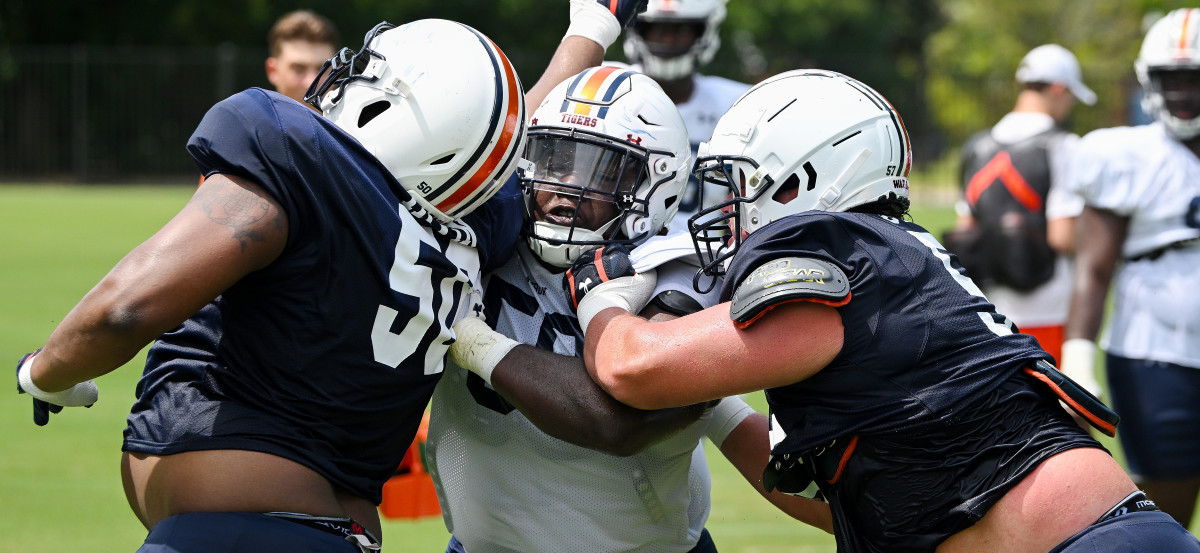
(1079, 362)
(79, 395)
(592, 21)
(478, 348)
(630, 293)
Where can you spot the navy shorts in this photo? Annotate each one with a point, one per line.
(1159, 404)
(239, 533)
(705, 545)
(1141, 532)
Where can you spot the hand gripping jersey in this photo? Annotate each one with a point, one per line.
(328, 356)
(505, 486)
(927, 363)
(1144, 174)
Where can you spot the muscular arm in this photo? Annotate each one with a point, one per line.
(704, 356)
(555, 393)
(229, 228)
(747, 449)
(1095, 262)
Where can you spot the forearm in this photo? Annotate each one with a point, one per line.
(99, 335)
(1095, 264)
(556, 394)
(574, 54)
(748, 449)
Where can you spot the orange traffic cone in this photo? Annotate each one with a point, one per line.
(410, 493)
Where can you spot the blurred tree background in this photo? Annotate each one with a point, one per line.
(947, 65)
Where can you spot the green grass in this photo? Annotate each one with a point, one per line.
(60, 486)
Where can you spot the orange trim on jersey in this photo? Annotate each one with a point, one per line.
(842, 462)
(512, 122)
(1001, 167)
(741, 326)
(1108, 429)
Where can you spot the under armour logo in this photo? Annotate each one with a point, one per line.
(636, 140)
(585, 285)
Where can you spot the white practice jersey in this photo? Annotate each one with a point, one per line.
(1048, 304)
(710, 100)
(1148, 176)
(505, 486)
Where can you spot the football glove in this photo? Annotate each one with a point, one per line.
(603, 277)
(83, 394)
(602, 20)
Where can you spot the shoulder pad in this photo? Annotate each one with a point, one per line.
(788, 279)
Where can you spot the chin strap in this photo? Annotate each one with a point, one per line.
(458, 231)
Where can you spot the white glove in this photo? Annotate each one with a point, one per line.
(83, 394)
(630, 293)
(1079, 364)
(592, 21)
(478, 348)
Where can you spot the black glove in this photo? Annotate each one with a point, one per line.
(624, 10)
(41, 409)
(593, 267)
(82, 394)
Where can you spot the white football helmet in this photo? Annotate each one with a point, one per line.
(802, 140)
(664, 63)
(1172, 46)
(609, 134)
(437, 102)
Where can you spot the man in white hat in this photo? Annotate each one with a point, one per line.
(1019, 220)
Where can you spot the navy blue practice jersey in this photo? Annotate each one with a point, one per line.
(920, 338)
(933, 417)
(328, 356)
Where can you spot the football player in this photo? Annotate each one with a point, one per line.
(311, 284)
(1141, 186)
(897, 392)
(670, 42)
(509, 443)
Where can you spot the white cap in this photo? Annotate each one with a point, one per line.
(1051, 63)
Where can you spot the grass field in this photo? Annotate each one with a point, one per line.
(60, 487)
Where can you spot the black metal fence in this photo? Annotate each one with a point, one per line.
(104, 114)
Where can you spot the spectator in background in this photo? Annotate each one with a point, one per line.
(1014, 204)
(1141, 186)
(669, 42)
(299, 43)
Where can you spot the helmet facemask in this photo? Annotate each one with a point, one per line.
(718, 229)
(582, 190)
(1173, 95)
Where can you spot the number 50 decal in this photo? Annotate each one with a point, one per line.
(409, 276)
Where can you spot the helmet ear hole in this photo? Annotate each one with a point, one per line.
(788, 190)
(444, 159)
(371, 111)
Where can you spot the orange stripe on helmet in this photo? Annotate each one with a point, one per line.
(512, 122)
(593, 83)
(1183, 34)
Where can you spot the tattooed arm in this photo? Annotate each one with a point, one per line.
(229, 228)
